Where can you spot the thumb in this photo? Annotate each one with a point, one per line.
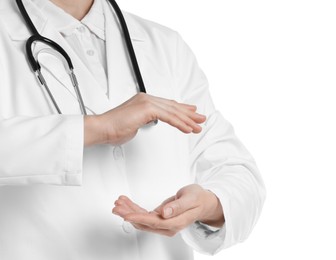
(175, 208)
(159, 209)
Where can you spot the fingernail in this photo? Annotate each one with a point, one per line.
(168, 212)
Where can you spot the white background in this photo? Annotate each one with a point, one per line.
(272, 72)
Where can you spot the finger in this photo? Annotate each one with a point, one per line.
(122, 211)
(185, 116)
(183, 220)
(158, 223)
(129, 206)
(122, 208)
(180, 119)
(186, 108)
(135, 207)
(189, 121)
(158, 209)
(177, 207)
(198, 118)
(157, 108)
(150, 220)
(164, 232)
(182, 109)
(189, 117)
(123, 204)
(170, 101)
(189, 107)
(172, 119)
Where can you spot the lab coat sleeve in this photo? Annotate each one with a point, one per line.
(41, 150)
(219, 162)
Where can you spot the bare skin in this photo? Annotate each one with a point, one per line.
(191, 203)
(119, 125)
(76, 8)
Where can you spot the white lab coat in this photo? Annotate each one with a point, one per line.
(56, 197)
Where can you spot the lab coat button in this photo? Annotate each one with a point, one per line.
(127, 227)
(118, 153)
(81, 29)
(90, 52)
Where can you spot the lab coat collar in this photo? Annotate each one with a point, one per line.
(66, 24)
(95, 98)
(18, 31)
(95, 19)
(62, 21)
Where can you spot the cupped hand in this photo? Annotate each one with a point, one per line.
(191, 203)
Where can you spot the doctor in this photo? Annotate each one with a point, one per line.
(185, 183)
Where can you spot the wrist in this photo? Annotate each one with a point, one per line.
(213, 212)
(93, 130)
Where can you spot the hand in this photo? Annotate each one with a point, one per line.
(191, 203)
(121, 124)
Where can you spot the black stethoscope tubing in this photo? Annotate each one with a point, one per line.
(37, 37)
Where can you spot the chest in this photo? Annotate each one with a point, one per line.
(155, 162)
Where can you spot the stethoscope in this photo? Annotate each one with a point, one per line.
(33, 61)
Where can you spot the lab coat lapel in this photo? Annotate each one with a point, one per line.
(121, 78)
(93, 95)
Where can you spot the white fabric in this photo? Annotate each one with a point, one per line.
(56, 197)
(86, 37)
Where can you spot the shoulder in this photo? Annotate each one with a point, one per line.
(150, 30)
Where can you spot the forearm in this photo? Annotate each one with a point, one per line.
(119, 125)
(93, 133)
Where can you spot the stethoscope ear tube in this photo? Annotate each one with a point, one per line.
(43, 83)
(34, 64)
(36, 67)
(129, 46)
(38, 38)
(26, 17)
